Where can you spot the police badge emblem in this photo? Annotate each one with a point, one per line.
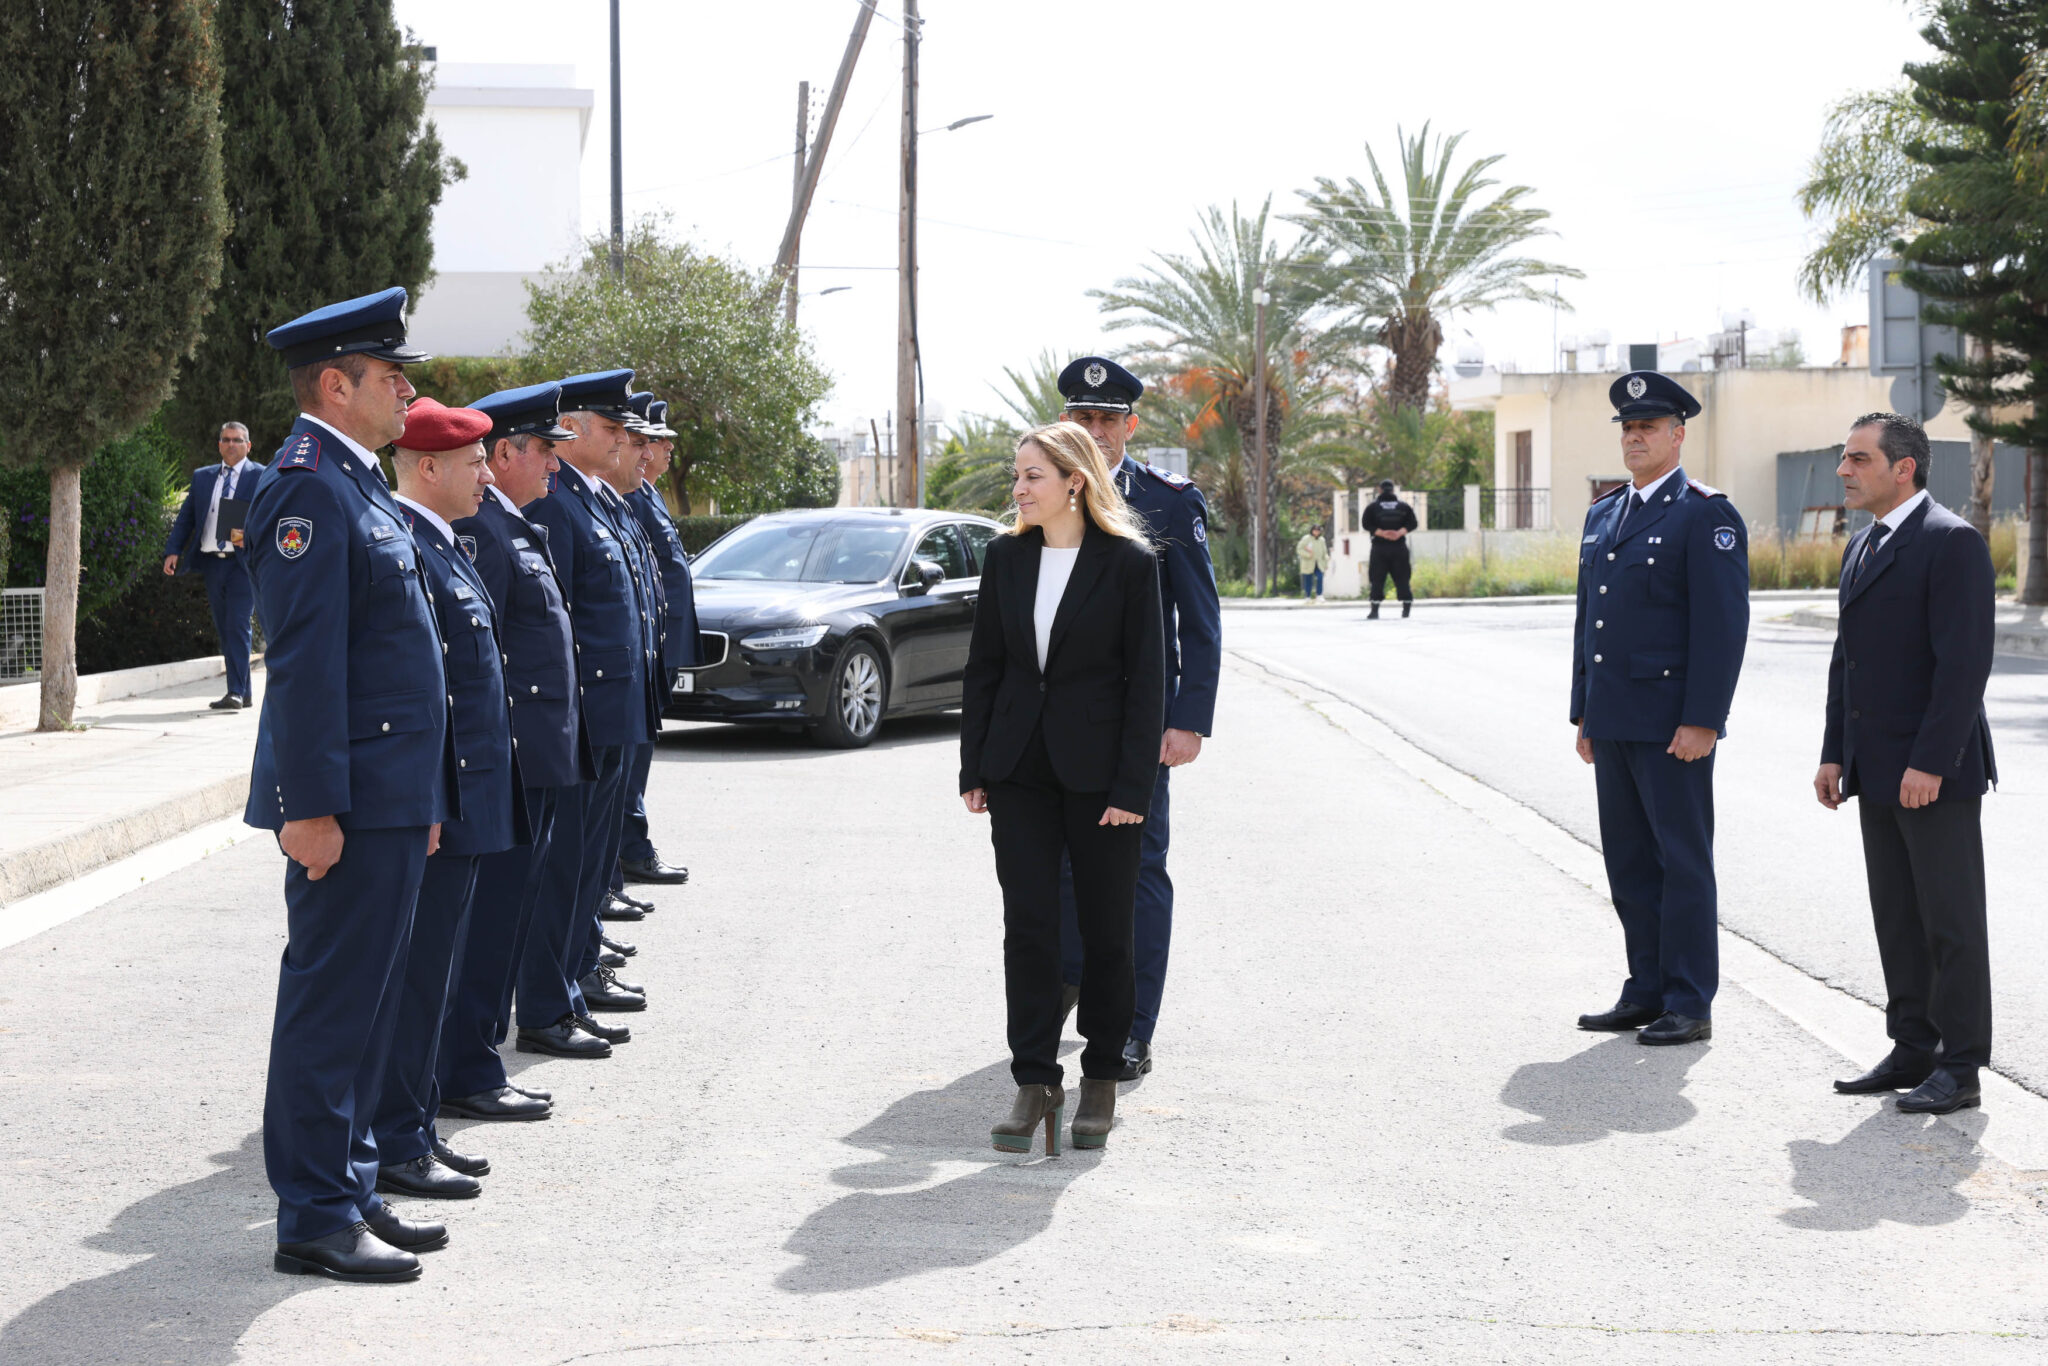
(1201, 532)
(1638, 386)
(1095, 375)
(294, 536)
(1724, 538)
(468, 544)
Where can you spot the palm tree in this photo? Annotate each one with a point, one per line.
(1406, 262)
(1035, 398)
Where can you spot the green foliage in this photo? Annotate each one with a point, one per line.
(700, 531)
(743, 387)
(331, 175)
(127, 491)
(1546, 567)
(972, 473)
(1034, 398)
(1856, 185)
(459, 380)
(158, 620)
(808, 477)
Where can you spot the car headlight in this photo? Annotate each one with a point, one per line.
(785, 638)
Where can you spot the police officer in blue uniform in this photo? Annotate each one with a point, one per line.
(442, 473)
(355, 773)
(1100, 396)
(1663, 615)
(614, 638)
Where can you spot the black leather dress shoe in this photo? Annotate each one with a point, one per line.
(639, 901)
(1946, 1090)
(618, 946)
(1671, 1027)
(562, 1039)
(1898, 1072)
(653, 870)
(1137, 1059)
(229, 703)
(412, 1235)
(607, 959)
(503, 1103)
(612, 975)
(615, 909)
(531, 1092)
(601, 991)
(1625, 1015)
(462, 1162)
(425, 1178)
(609, 1033)
(353, 1254)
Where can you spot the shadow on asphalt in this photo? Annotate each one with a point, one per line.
(198, 1281)
(882, 1233)
(711, 740)
(1897, 1167)
(1615, 1087)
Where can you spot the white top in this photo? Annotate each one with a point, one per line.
(504, 498)
(211, 539)
(1055, 567)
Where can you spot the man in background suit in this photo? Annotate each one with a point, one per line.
(197, 545)
(1906, 732)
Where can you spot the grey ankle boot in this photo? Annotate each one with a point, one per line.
(1096, 1114)
(1035, 1105)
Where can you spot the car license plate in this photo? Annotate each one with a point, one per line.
(686, 682)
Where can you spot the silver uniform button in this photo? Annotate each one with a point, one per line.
(451, 699)
(386, 726)
(1596, 659)
(1667, 673)
(1653, 559)
(534, 688)
(474, 622)
(1610, 554)
(1599, 625)
(600, 673)
(1603, 588)
(463, 763)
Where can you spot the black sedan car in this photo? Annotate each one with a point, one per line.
(835, 619)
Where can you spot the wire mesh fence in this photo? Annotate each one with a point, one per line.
(21, 632)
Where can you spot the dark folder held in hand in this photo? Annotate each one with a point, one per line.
(234, 516)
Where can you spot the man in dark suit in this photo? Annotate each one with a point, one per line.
(197, 545)
(1906, 732)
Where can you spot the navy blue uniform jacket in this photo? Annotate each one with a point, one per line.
(539, 645)
(479, 704)
(1663, 614)
(355, 710)
(647, 589)
(191, 520)
(1178, 519)
(679, 596)
(1912, 656)
(604, 607)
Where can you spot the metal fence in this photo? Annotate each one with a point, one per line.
(1499, 509)
(21, 632)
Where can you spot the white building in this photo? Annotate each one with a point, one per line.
(520, 130)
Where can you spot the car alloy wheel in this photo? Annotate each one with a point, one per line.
(859, 689)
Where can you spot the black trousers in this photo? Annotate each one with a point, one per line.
(1033, 820)
(1389, 557)
(1926, 870)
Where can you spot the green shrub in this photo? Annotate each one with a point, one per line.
(700, 531)
(123, 491)
(157, 621)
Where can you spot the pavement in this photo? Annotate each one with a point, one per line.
(2018, 630)
(1373, 1134)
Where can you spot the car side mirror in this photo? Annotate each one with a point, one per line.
(922, 577)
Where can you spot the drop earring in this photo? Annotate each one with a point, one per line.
(1073, 500)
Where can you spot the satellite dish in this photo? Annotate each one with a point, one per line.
(1471, 360)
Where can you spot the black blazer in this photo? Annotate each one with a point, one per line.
(1912, 656)
(1102, 696)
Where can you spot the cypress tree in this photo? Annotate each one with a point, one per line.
(1982, 263)
(110, 231)
(331, 174)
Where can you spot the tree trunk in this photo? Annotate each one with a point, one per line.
(60, 603)
(1414, 342)
(1982, 468)
(2034, 592)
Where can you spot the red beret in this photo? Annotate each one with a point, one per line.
(432, 427)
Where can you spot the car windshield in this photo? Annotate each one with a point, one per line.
(805, 552)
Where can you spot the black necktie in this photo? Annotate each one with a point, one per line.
(1870, 546)
(1628, 505)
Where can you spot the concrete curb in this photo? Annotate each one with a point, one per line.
(21, 703)
(2013, 638)
(46, 865)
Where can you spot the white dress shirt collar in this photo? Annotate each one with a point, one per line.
(1643, 494)
(431, 516)
(510, 506)
(1896, 518)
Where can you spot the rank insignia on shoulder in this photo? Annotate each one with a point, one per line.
(1166, 477)
(1705, 490)
(302, 454)
(294, 536)
(1724, 538)
(468, 544)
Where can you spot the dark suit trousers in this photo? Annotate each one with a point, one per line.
(500, 916)
(1151, 930)
(1033, 822)
(604, 815)
(1657, 837)
(635, 842)
(1926, 870)
(232, 598)
(404, 1123)
(545, 992)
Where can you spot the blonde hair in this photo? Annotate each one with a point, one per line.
(1073, 451)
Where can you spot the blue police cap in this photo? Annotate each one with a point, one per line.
(1645, 393)
(529, 411)
(643, 421)
(608, 393)
(657, 418)
(1099, 383)
(373, 325)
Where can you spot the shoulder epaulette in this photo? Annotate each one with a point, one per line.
(302, 452)
(1705, 490)
(1166, 477)
(1617, 489)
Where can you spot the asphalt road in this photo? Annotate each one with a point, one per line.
(1373, 1134)
(1488, 690)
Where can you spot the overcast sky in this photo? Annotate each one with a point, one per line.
(1667, 141)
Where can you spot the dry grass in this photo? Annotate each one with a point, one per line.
(1544, 567)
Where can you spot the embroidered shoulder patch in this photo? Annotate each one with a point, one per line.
(1724, 538)
(468, 544)
(294, 536)
(1201, 532)
(302, 452)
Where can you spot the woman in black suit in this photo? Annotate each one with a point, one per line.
(1059, 743)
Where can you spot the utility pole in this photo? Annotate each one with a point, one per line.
(618, 161)
(785, 255)
(1262, 504)
(796, 193)
(908, 429)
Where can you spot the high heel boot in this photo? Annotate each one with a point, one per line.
(1097, 1112)
(1035, 1105)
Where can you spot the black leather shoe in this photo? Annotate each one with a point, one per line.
(1671, 1027)
(562, 1039)
(412, 1235)
(425, 1178)
(1624, 1016)
(618, 946)
(602, 992)
(609, 1033)
(353, 1254)
(228, 703)
(1137, 1059)
(612, 975)
(615, 909)
(530, 1092)
(462, 1162)
(652, 870)
(503, 1103)
(1900, 1071)
(1946, 1090)
(640, 901)
(607, 959)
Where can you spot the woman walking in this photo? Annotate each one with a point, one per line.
(1059, 743)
